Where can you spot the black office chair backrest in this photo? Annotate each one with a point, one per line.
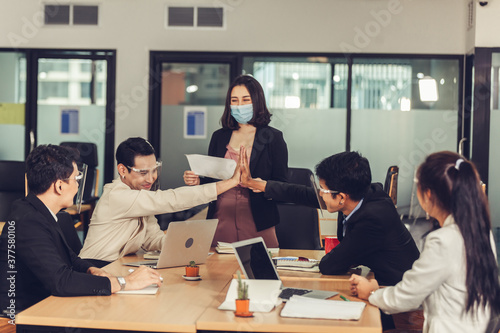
(299, 225)
(88, 155)
(12, 185)
(391, 183)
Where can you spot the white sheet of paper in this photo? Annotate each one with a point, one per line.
(209, 166)
(263, 295)
(149, 290)
(305, 307)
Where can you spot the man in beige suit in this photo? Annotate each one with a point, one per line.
(123, 220)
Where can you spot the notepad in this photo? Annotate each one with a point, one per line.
(304, 307)
(297, 264)
(149, 290)
(227, 248)
(263, 295)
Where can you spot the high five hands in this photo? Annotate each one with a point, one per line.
(255, 184)
(241, 174)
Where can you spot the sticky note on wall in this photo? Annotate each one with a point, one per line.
(11, 113)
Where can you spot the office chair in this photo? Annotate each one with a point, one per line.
(12, 185)
(88, 155)
(65, 221)
(391, 183)
(299, 225)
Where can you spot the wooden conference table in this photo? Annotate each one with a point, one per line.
(190, 306)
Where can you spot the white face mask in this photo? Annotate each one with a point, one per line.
(242, 113)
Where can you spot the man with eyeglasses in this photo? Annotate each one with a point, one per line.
(124, 218)
(369, 228)
(35, 259)
(368, 225)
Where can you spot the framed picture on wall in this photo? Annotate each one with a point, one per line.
(70, 120)
(195, 122)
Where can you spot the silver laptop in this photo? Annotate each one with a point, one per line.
(256, 263)
(184, 242)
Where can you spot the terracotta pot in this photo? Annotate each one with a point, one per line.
(192, 271)
(242, 305)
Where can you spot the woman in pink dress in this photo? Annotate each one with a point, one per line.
(242, 213)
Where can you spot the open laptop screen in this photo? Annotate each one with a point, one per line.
(254, 259)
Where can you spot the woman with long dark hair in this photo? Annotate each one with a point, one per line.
(242, 213)
(456, 276)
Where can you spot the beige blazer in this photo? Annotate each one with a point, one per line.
(436, 281)
(123, 220)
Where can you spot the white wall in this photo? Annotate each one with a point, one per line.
(134, 28)
(487, 24)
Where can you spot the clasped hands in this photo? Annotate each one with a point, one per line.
(362, 287)
(241, 174)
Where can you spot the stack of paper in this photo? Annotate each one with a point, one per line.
(263, 295)
(223, 247)
(149, 290)
(304, 307)
(297, 264)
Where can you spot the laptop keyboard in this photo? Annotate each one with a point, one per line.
(289, 292)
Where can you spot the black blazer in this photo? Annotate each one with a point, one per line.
(43, 263)
(374, 237)
(268, 160)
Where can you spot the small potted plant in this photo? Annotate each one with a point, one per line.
(242, 302)
(192, 270)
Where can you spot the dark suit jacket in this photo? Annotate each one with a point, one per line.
(43, 263)
(374, 237)
(268, 160)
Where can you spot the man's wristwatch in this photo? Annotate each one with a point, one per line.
(122, 282)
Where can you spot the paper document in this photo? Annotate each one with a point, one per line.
(227, 248)
(209, 166)
(304, 307)
(149, 290)
(263, 295)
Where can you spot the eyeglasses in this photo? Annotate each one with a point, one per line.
(328, 191)
(77, 177)
(145, 172)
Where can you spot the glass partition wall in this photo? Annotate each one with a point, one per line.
(494, 153)
(12, 105)
(72, 103)
(403, 110)
(394, 110)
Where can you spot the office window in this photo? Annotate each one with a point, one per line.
(71, 81)
(194, 83)
(404, 84)
(293, 83)
(53, 89)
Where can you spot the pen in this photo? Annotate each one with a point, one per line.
(344, 298)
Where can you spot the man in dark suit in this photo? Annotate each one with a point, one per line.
(35, 259)
(369, 228)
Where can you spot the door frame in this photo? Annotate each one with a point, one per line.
(157, 58)
(32, 57)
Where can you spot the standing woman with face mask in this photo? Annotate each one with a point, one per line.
(242, 213)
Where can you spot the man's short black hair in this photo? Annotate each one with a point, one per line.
(48, 163)
(132, 147)
(347, 172)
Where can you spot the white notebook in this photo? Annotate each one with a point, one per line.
(149, 290)
(304, 307)
(263, 295)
